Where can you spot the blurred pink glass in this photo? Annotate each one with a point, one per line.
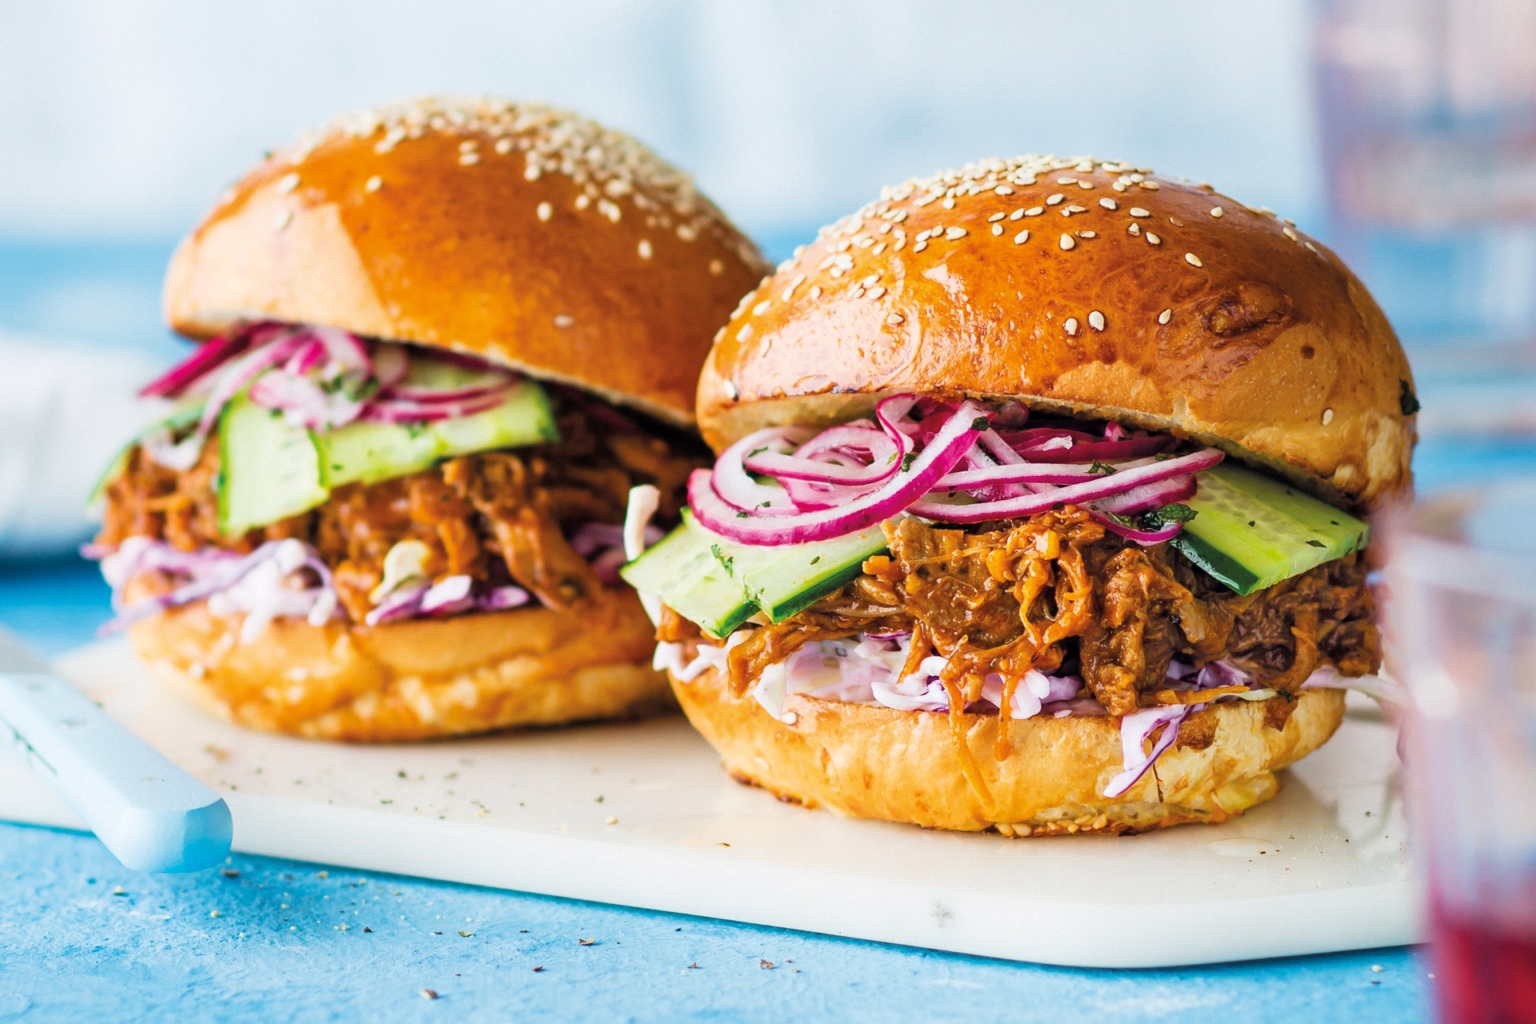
(1462, 579)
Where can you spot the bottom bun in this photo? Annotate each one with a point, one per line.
(876, 762)
(412, 680)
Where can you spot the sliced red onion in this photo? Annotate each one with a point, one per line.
(1149, 496)
(734, 486)
(487, 382)
(206, 358)
(1075, 494)
(590, 538)
(1029, 472)
(388, 410)
(1099, 451)
(911, 481)
(1134, 729)
(1163, 533)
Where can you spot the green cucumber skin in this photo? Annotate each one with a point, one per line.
(759, 570)
(370, 452)
(1251, 532)
(683, 572)
(246, 506)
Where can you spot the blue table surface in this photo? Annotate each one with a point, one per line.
(86, 939)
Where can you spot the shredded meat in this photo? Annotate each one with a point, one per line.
(1058, 590)
(496, 516)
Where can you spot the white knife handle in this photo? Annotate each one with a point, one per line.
(152, 815)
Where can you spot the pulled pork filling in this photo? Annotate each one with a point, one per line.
(499, 517)
(1057, 593)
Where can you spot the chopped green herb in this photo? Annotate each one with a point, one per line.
(816, 559)
(756, 451)
(1098, 468)
(1316, 544)
(720, 556)
(1406, 399)
(1176, 512)
(907, 460)
(980, 423)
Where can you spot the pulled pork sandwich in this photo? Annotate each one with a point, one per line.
(446, 340)
(1036, 506)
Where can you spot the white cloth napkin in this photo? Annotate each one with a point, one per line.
(65, 410)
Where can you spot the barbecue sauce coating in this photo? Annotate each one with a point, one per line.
(1057, 589)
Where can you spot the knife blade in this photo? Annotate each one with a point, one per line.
(149, 813)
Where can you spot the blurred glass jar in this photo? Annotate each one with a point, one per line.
(1462, 621)
(1428, 110)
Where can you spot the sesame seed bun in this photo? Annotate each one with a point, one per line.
(875, 762)
(415, 679)
(515, 232)
(1153, 301)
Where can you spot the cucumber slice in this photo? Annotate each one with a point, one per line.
(782, 581)
(268, 468)
(370, 452)
(1252, 531)
(683, 572)
(719, 584)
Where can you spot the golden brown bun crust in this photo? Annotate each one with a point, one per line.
(612, 274)
(1271, 348)
(875, 762)
(411, 680)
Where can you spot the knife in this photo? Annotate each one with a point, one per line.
(149, 813)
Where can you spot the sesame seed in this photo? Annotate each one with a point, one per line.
(287, 183)
(1193, 260)
(1165, 316)
(996, 217)
(997, 229)
(1134, 229)
(1068, 242)
(1137, 211)
(1327, 416)
(1016, 215)
(1054, 198)
(503, 146)
(1066, 181)
(1096, 320)
(730, 390)
(1071, 326)
(1290, 233)
(1021, 238)
(1309, 245)
(564, 320)
(875, 292)
(373, 184)
(1085, 184)
(920, 246)
(954, 233)
(1153, 239)
(1075, 209)
(284, 218)
(1034, 211)
(716, 267)
(1118, 186)
(467, 145)
(1087, 234)
(1003, 190)
(1109, 204)
(1215, 211)
(1150, 186)
(718, 335)
(815, 292)
(468, 159)
(948, 203)
(895, 319)
(760, 308)
(583, 201)
(544, 211)
(645, 249)
(1175, 222)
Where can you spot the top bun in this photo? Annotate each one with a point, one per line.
(1087, 288)
(513, 231)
